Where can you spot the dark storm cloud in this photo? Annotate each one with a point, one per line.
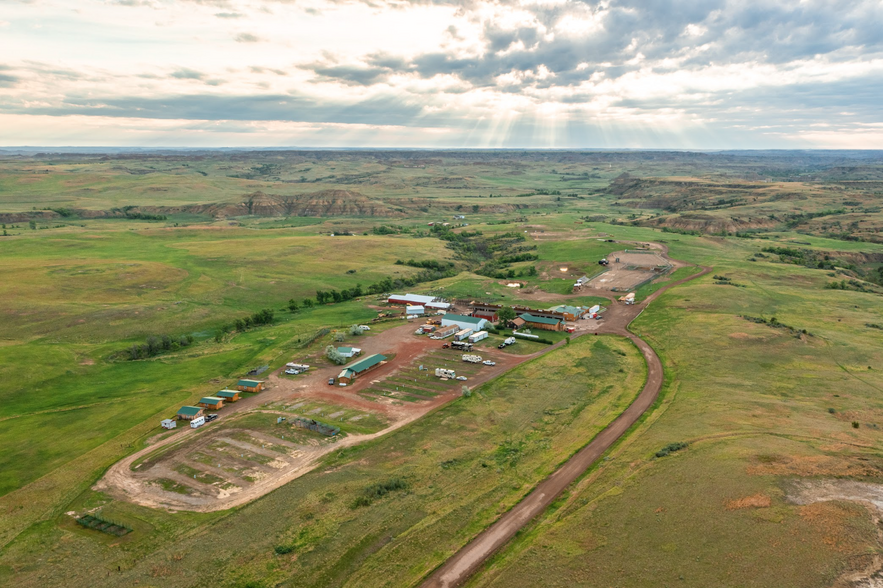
(8, 81)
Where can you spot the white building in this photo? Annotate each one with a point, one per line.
(464, 322)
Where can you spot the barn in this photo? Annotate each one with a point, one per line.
(188, 413)
(464, 322)
(228, 395)
(539, 322)
(363, 366)
(418, 300)
(211, 402)
(486, 311)
(250, 385)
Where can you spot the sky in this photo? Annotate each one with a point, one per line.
(657, 74)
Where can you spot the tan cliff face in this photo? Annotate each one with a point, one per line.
(324, 203)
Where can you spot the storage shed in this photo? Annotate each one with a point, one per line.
(250, 385)
(188, 413)
(349, 351)
(168, 423)
(350, 372)
(228, 395)
(212, 402)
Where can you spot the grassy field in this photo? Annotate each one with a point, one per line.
(753, 400)
(774, 408)
(503, 440)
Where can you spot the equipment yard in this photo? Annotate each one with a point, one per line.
(629, 269)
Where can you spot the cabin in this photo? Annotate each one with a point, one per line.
(211, 402)
(464, 322)
(188, 413)
(168, 424)
(228, 395)
(349, 352)
(543, 323)
(250, 385)
(363, 366)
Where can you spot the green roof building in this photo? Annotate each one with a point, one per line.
(369, 363)
(189, 412)
(539, 322)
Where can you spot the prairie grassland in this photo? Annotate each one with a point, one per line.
(759, 407)
(463, 465)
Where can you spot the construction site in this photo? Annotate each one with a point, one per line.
(630, 269)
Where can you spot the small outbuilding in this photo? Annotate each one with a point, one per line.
(211, 402)
(188, 413)
(228, 395)
(349, 352)
(168, 423)
(250, 385)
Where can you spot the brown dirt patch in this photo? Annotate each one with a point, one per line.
(739, 336)
(819, 465)
(754, 501)
(832, 521)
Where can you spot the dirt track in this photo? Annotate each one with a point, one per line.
(460, 567)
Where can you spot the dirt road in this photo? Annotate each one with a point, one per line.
(466, 562)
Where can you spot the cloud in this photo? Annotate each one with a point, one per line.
(229, 15)
(8, 81)
(187, 74)
(246, 38)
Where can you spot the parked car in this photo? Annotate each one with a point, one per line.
(489, 362)
(461, 378)
(210, 417)
(445, 345)
(501, 346)
(330, 381)
(292, 372)
(365, 327)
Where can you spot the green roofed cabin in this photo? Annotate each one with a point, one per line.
(250, 385)
(228, 395)
(212, 402)
(188, 413)
(538, 322)
(350, 372)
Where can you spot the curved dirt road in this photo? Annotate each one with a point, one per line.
(466, 562)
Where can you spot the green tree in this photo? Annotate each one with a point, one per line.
(292, 305)
(505, 314)
(334, 355)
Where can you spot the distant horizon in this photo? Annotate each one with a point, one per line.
(109, 148)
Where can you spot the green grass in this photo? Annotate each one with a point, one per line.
(429, 520)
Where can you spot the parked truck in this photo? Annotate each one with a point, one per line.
(471, 358)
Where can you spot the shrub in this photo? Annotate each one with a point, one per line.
(379, 490)
(671, 448)
(283, 549)
(855, 424)
(831, 411)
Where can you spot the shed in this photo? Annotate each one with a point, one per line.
(168, 423)
(518, 322)
(350, 372)
(228, 395)
(250, 385)
(464, 334)
(212, 402)
(188, 413)
(349, 351)
(415, 310)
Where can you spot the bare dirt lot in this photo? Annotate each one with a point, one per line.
(250, 450)
(628, 269)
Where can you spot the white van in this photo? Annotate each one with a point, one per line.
(197, 422)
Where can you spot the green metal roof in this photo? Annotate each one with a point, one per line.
(210, 400)
(189, 410)
(464, 319)
(249, 383)
(538, 319)
(345, 349)
(227, 393)
(364, 364)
